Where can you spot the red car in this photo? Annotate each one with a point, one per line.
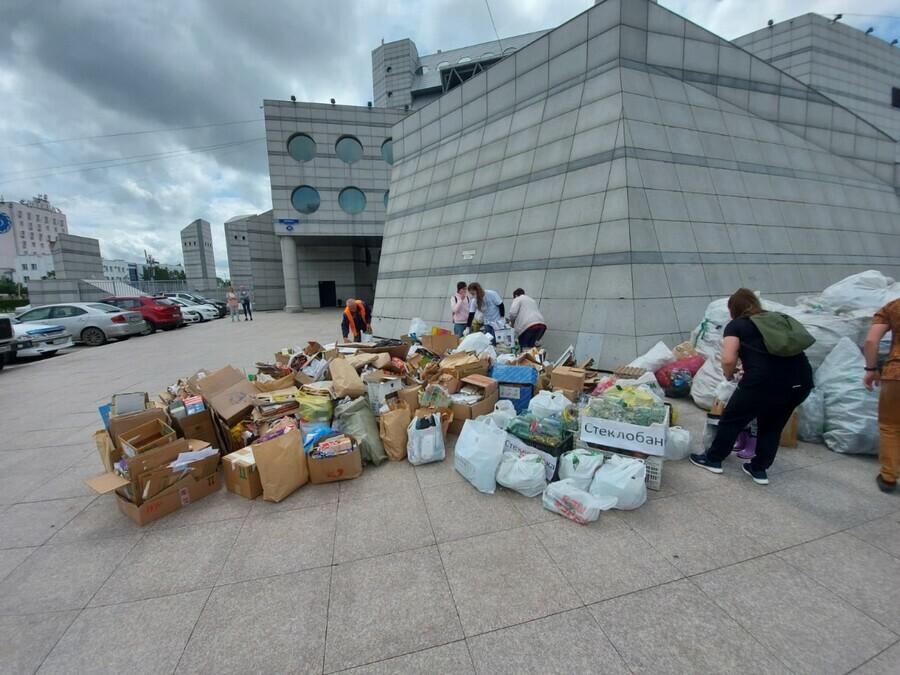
(158, 312)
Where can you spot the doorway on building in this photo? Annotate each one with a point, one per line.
(327, 294)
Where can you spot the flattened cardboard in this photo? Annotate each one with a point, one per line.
(106, 483)
(107, 450)
(241, 474)
(440, 344)
(215, 382)
(462, 365)
(186, 491)
(395, 352)
(234, 403)
(789, 433)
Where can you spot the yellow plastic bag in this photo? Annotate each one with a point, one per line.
(314, 408)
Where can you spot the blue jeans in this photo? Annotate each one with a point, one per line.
(459, 329)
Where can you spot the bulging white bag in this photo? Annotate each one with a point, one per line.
(678, 444)
(658, 356)
(725, 390)
(567, 499)
(479, 449)
(703, 388)
(811, 417)
(504, 411)
(548, 403)
(418, 328)
(475, 342)
(622, 478)
(524, 473)
(425, 445)
(579, 466)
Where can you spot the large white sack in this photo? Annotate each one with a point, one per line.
(623, 478)
(707, 337)
(851, 411)
(658, 356)
(811, 417)
(475, 342)
(579, 466)
(523, 473)
(479, 450)
(546, 403)
(707, 379)
(866, 290)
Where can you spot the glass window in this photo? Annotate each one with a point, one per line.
(352, 200)
(465, 59)
(65, 312)
(387, 151)
(39, 314)
(104, 307)
(25, 266)
(509, 50)
(34, 266)
(422, 70)
(348, 149)
(386, 194)
(487, 55)
(306, 199)
(301, 147)
(443, 64)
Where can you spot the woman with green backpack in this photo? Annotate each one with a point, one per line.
(776, 379)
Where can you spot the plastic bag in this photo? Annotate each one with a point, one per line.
(503, 413)
(314, 408)
(547, 403)
(524, 473)
(658, 356)
(356, 419)
(680, 384)
(567, 499)
(579, 466)
(811, 417)
(475, 342)
(703, 388)
(479, 449)
(427, 444)
(851, 411)
(868, 290)
(707, 337)
(724, 391)
(418, 328)
(691, 364)
(678, 444)
(622, 478)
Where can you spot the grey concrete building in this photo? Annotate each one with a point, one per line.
(197, 249)
(77, 257)
(625, 169)
(330, 168)
(254, 258)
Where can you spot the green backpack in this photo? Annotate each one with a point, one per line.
(783, 334)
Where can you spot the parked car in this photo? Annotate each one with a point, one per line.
(92, 323)
(36, 339)
(158, 312)
(7, 340)
(207, 312)
(190, 316)
(196, 297)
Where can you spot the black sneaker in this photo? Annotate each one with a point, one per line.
(883, 485)
(759, 476)
(705, 463)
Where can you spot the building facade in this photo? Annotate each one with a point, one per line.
(254, 259)
(624, 169)
(116, 270)
(27, 230)
(197, 249)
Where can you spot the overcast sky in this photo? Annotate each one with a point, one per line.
(71, 69)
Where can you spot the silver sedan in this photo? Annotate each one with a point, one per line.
(92, 323)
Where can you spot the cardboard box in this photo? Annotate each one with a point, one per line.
(120, 426)
(146, 437)
(462, 365)
(463, 412)
(241, 475)
(410, 396)
(109, 453)
(332, 469)
(516, 384)
(395, 352)
(184, 492)
(789, 433)
(568, 378)
(379, 386)
(207, 383)
(439, 344)
(445, 413)
(234, 402)
(200, 425)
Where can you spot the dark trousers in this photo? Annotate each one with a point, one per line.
(247, 311)
(772, 408)
(530, 336)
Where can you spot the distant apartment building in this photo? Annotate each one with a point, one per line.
(27, 230)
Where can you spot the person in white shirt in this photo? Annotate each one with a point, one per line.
(488, 303)
(527, 319)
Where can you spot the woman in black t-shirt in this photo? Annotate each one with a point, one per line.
(769, 390)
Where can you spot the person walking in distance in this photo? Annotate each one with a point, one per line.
(231, 300)
(357, 320)
(244, 295)
(886, 319)
(459, 309)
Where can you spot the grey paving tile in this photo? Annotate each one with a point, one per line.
(883, 664)
(69, 483)
(448, 659)
(169, 562)
(11, 558)
(100, 520)
(458, 510)
(381, 525)
(675, 628)
(858, 572)
(61, 577)
(681, 477)
(604, 559)
(279, 543)
(27, 640)
(504, 578)
(806, 626)
(221, 505)
(33, 524)
(308, 495)
(438, 473)
(690, 538)
(530, 508)
(805, 454)
(389, 606)
(547, 646)
(274, 625)
(391, 479)
(147, 636)
(882, 532)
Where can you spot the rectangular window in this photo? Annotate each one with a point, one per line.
(19, 215)
(26, 278)
(29, 216)
(895, 97)
(25, 266)
(45, 219)
(34, 266)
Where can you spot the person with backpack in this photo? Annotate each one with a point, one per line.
(776, 379)
(886, 319)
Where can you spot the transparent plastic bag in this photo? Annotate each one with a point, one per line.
(579, 466)
(678, 444)
(479, 449)
(567, 499)
(547, 403)
(525, 473)
(622, 478)
(425, 445)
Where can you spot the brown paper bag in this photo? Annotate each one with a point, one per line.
(392, 430)
(282, 465)
(345, 380)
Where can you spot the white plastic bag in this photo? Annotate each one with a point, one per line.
(658, 356)
(579, 466)
(678, 444)
(703, 388)
(418, 328)
(479, 449)
(567, 499)
(851, 411)
(425, 445)
(548, 403)
(622, 478)
(648, 382)
(867, 290)
(503, 412)
(523, 473)
(475, 342)
(725, 390)
(811, 417)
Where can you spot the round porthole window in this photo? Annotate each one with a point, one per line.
(387, 151)
(306, 199)
(348, 149)
(301, 147)
(352, 200)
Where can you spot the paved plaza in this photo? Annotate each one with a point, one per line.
(409, 569)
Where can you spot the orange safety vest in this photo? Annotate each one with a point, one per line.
(349, 315)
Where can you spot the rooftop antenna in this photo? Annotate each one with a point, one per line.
(870, 30)
(837, 17)
(770, 23)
